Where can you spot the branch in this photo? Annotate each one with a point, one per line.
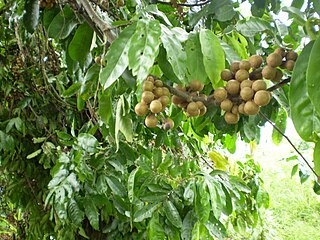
(186, 4)
(294, 147)
(279, 84)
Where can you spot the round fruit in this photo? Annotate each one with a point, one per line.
(183, 105)
(165, 91)
(245, 65)
(192, 107)
(246, 93)
(226, 105)
(200, 104)
(289, 65)
(147, 97)
(256, 74)
(231, 118)
(181, 88)
(241, 108)
(158, 83)
(242, 75)
(141, 109)
(97, 60)
(147, 86)
(235, 109)
(203, 111)
(278, 76)
(196, 85)
(233, 87)
(164, 100)
(268, 72)
(176, 100)
(262, 98)
(274, 60)
(168, 124)
(259, 85)
(255, 61)
(280, 51)
(155, 106)
(220, 94)
(151, 121)
(150, 79)
(205, 97)
(234, 67)
(158, 92)
(193, 114)
(291, 55)
(226, 75)
(251, 108)
(245, 83)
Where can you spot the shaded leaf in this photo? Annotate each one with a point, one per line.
(91, 212)
(75, 213)
(251, 27)
(172, 213)
(155, 229)
(31, 15)
(145, 212)
(116, 186)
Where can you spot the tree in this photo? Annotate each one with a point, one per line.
(77, 158)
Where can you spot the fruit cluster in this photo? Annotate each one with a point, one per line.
(191, 103)
(155, 98)
(246, 90)
(47, 3)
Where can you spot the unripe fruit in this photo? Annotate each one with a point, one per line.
(165, 91)
(291, 55)
(246, 93)
(151, 121)
(268, 72)
(259, 85)
(220, 94)
(242, 75)
(234, 67)
(155, 106)
(147, 86)
(281, 52)
(176, 100)
(289, 65)
(274, 60)
(158, 83)
(251, 108)
(255, 61)
(147, 97)
(262, 98)
(158, 92)
(245, 83)
(164, 100)
(231, 118)
(226, 105)
(168, 124)
(245, 65)
(226, 75)
(196, 85)
(233, 87)
(141, 109)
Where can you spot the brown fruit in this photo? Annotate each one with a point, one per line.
(226, 75)
(274, 60)
(168, 124)
(291, 55)
(158, 83)
(259, 85)
(183, 105)
(268, 72)
(245, 83)
(289, 65)
(203, 111)
(181, 88)
(176, 100)
(150, 79)
(196, 85)
(205, 97)
(220, 94)
(278, 76)
(255, 61)
(164, 101)
(233, 87)
(155, 106)
(151, 121)
(97, 60)
(262, 98)
(246, 93)
(245, 65)
(147, 97)
(234, 67)
(157, 92)
(165, 91)
(147, 86)
(251, 108)
(241, 108)
(242, 75)
(231, 118)
(200, 104)
(281, 52)
(256, 74)
(192, 109)
(235, 109)
(141, 109)
(226, 105)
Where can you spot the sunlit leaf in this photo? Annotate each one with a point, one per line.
(145, 212)
(220, 162)
(172, 214)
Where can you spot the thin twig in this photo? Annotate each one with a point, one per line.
(186, 4)
(279, 85)
(294, 147)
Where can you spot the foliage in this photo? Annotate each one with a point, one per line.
(76, 161)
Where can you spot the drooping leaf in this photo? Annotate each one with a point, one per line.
(316, 158)
(131, 182)
(295, 13)
(251, 27)
(72, 90)
(230, 53)
(187, 225)
(89, 83)
(117, 57)
(144, 47)
(155, 229)
(116, 186)
(172, 214)
(281, 123)
(202, 202)
(31, 15)
(313, 76)
(75, 213)
(213, 56)
(303, 113)
(176, 55)
(220, 162)
(145, 212)
(91, 212)
(105, 107)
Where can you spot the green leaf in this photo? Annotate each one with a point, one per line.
(105, 107)
(238, 43)
(303, 114)
(62, 24)
(34, 154)
(31, 15)
(296, 14)
(219, 161)
(72, 90)
(144, 47)
(294, 170)
(202, 202)
(91, 212)
(195, 66)
(213, 56)
(230, 53)
(130, 186)
(88, 142)
(166, 67)
(251, 27)
(145, 212)
(116, 186)
(117, 57)
(176, 55)
(316, 158)
(316, 5)
(75, 213)
(313, 76)
(281, 123)
(187, 225)
(89, 83)
(155, 229)
(172, 214)
(79, 47)
(263, 198)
